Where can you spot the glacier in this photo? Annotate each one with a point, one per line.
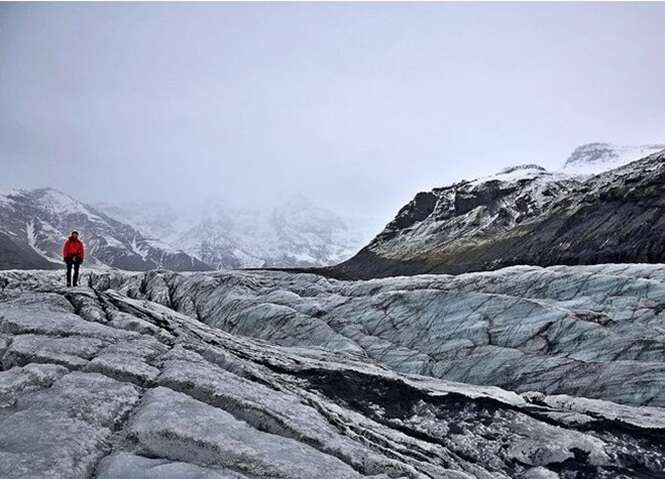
(278, 375)
(595, 331)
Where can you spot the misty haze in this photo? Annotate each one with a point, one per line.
(292, 240)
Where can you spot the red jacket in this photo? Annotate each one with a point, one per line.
(73, 247)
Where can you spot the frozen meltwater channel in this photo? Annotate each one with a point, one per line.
(123, 378)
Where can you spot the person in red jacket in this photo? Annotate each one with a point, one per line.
(73, 253)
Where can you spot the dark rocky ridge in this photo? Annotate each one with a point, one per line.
(15, 254)
(542, 219)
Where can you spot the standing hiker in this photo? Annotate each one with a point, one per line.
(73, 253)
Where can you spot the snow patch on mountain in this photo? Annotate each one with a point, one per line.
(32, 238)
(5, 197)
(513, 173)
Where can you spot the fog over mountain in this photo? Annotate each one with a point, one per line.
(293, 231)
(356, 106)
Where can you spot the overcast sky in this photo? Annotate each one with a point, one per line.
(357, 106)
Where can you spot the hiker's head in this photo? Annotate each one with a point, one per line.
(74, 235)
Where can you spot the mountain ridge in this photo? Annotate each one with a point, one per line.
(522, 216)
(34, 223)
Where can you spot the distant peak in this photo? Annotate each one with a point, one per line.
(593, 158)
(50, 192)
(57, 201)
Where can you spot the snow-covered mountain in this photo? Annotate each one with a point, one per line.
(594, 158)
(524, 215)
(35, 223)
(295, 232)
(153, 375)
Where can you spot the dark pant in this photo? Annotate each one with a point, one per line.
(75, 262)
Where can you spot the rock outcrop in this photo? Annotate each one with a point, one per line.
(95, 383)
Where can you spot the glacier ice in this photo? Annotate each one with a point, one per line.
(124, 378)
